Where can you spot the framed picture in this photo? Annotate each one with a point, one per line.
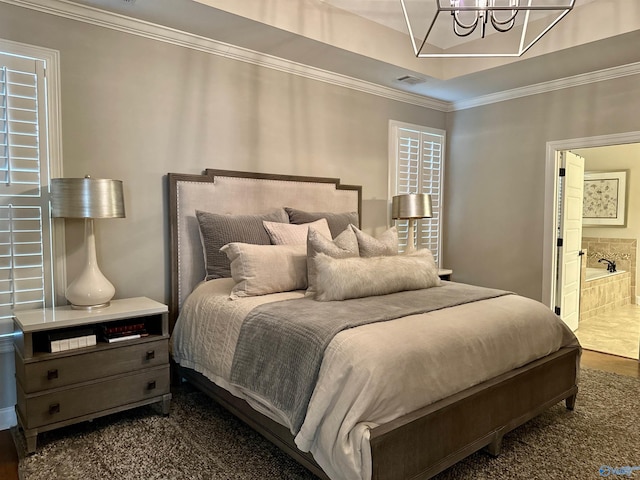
(604, 202)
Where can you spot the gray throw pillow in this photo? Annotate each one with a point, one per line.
(337, 221)
(217, 230)
(383, 245)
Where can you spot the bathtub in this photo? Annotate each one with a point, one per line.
(604, 291)
(596, 273)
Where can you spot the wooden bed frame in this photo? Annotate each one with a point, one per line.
(418, 445)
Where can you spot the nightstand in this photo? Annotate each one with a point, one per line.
(445, 274)
(70, 386)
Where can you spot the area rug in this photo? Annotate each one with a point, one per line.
(200, 440)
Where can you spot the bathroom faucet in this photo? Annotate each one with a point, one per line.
(611, 267)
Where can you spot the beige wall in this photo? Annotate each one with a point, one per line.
(135, 109)
(616, 158)
(494, 183)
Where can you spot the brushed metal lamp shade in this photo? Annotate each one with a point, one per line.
(411, 206)
(88, 198)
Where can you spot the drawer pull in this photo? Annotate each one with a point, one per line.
(151, 354)
(55, 408)
(151, 385)
(52, 374)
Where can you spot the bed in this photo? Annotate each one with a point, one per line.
(407, 437)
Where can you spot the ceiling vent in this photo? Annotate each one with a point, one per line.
(411, 80)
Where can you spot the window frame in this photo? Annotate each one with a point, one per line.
(437, 197)
(51, 153)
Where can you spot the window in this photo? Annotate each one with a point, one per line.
(26, 97)
(416, 161)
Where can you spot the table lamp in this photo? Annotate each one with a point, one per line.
(411, 206)
(88, 198)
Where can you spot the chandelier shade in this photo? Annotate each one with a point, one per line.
(480, 28)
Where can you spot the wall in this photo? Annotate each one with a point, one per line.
(494, 182)
(135, 109)
(615, 158)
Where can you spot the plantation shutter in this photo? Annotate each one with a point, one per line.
(419, 162)
(25, 244)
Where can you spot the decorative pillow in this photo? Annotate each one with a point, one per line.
(288, 234)
(263, 269)
(343, 278)
(217, 230)
(337, 221)
(385, 244)
(345, 245)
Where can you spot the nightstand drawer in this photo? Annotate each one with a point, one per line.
(94, 364)
(65, 404)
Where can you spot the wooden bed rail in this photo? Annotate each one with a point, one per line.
(425, 442)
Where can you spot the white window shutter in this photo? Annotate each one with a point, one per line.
(24, 211)
(418, 166)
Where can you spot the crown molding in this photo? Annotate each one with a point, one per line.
(568, 82)
(122, 23)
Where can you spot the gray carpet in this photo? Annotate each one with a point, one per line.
(200, 440)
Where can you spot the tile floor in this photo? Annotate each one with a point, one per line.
(616, 332)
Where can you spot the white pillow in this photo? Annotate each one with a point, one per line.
(344, 245)
(384, 244)
(263, 269)
(355, 277)
(290, 234)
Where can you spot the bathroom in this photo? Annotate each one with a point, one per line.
(609, 302)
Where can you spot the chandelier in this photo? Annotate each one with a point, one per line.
(456, 24)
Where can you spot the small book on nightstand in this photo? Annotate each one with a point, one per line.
(119, 332)
(61, 340)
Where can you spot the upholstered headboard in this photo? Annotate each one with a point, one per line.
(229, 192)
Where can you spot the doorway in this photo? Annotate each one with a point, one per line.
(597, 333)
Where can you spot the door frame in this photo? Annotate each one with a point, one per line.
(549, 263)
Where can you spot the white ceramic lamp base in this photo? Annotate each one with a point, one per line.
(411, 241)
(91, 289)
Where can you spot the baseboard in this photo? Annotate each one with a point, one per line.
(7, 418)
(6, 344)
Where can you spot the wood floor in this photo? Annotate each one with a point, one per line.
(595, 360)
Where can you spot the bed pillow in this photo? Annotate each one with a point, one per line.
(289, 234)
(337, 221)
(217, 230)
(345, 245)
(384, 244)
(263, 269)
(344, 278)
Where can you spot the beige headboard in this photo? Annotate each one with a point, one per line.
(229, 192)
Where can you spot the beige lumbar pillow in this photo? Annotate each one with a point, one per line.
(264, 269)
(356, 277)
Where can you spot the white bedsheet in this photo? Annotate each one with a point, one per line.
(377, 372)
